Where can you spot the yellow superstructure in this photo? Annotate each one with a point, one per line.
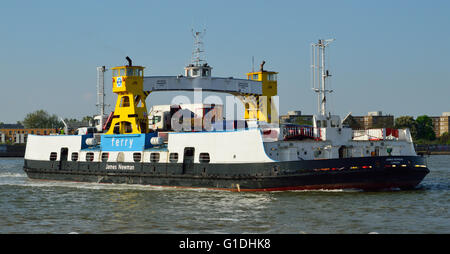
(262, 107)
(130, 113)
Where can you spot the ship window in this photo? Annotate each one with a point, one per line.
(139, 73)
(116, 129)
(255, 76)
(173, 157)
(155, 119)
(205, 73)
(204, 157)
(129, 72)
(115, 73)
(127, 127)
(194, 72)
(89, 156)
(137, 157)
(53, 156)
(125, 101)
(272, 77)
(74, 156)
(121, 72)
(154, 157)
(105, 156)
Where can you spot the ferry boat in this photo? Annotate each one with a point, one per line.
(254, 154)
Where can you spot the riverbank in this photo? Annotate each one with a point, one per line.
(433, 149)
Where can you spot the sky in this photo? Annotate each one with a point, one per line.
(390, 56)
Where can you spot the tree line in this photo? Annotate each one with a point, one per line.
(41, 119)
(421, 129)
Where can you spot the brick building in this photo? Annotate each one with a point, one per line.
(296, 117)
(441, 124)
(372, 120)
(17, 133)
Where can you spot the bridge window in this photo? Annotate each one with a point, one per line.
(134, 72)
(334, 123)
(272, 77)
(130, 72)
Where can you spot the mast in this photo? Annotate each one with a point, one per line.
(197, 59)
(101, 89)
(320, 73)
(198, 66)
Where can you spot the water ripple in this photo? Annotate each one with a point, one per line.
(32, 206)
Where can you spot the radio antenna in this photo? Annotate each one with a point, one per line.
(198, 50)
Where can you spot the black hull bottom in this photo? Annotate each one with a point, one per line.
(371, 173)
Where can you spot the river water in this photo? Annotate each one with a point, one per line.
(32, 206)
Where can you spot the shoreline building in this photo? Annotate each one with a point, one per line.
(373, 120)
(441, 124)
(296, 117)
(17, 133)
